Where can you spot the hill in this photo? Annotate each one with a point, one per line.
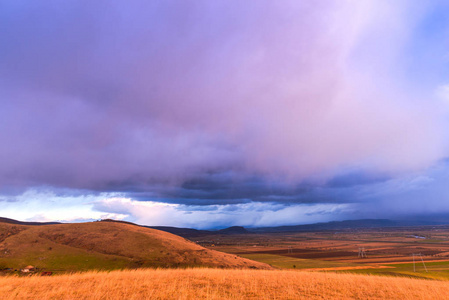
(347, 224)
(11, 221)
(194, 233)
(105, 245)
(234, 230)
(220, 284)
(334, 225)
(184, 232)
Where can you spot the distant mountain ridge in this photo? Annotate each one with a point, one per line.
(191, 233)
(334, 225)
(12, 221)
(347, 224)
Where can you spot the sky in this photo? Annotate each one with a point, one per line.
(209, 114)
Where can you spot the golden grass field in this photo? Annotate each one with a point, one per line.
(126, 261)
(219, 284)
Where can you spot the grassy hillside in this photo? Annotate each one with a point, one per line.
(105, 245)
(219, 284)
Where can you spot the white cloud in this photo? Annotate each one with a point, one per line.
(442, 92)
(44, 205)
(212, 216)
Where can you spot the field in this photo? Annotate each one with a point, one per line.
(389, 251)
(219, 284)
(304, 265)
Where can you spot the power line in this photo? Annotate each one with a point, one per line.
(414, 263)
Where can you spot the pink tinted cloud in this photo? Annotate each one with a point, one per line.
(163, 91)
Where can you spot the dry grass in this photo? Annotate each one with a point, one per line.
(219, 284)
(106, 246)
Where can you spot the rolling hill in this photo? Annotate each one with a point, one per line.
(347, 224)
(105, 245)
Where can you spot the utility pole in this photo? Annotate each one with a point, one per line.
(362, 252)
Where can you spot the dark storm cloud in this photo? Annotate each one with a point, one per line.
(224, 189)
(355, 178)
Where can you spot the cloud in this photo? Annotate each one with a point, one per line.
(421, 195)
(206, 103)
(97, 93)
(442, 92)
(220, 216)
(45, 205)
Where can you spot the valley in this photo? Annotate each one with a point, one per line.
(381, 251)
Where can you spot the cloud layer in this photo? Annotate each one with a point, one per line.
(219, 102)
